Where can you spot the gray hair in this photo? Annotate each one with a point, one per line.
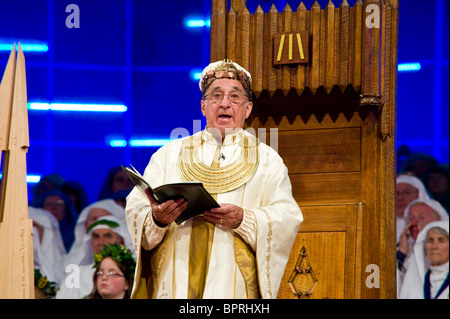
(439, 230)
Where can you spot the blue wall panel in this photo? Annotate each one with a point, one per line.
(141, 54)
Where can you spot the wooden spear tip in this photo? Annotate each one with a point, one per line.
(359, 2)
(259, 9)
(316, 5)
(287, 8)
(231, 11)
(301, 6)
(344, 3)
(273, 8)
(330, 4)
(19, 47)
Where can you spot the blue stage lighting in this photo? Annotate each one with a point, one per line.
(118, 143)
(148, 142)
(77, 107)
(198, 23)
(139, 142)
(26, 47)
(196, 74)
(31, 178)
(409, 67)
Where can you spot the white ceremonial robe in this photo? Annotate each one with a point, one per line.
(271, 221)
(413, 282)
(78, 284)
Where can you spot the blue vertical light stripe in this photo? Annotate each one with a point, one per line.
(128, 76)
(437, 94)
(206, 38)
(50, 85)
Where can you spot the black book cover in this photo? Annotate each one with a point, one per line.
(195, 193)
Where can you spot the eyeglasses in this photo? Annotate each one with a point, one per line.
(110, 274)
(235, 97)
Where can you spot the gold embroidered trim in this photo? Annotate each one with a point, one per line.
(138, 212)
(269, 252)
(222, 179)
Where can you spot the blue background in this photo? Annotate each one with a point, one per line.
(141, 54)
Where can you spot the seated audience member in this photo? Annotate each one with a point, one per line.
(87, 217)
(48, 246)
(78, 281)
(418, 214)
(437, 183)
(77, 193)
(409, 188)
(114, 272)
(418, 164)
(427, 276)
(45, 184)
(61, 207)
(116, 185)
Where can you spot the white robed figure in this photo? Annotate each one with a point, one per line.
(427, 276)
(48, 245)
(239, 250)
(78, 282)
(81, 251)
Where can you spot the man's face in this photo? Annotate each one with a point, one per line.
(102, 237)
(228, 113)
(56, 206)
(406, 193)
(420, 215)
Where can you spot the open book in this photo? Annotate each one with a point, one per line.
(194, 193)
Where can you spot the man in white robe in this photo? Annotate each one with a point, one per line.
(81, 252)
(409, 188)
(245, 253)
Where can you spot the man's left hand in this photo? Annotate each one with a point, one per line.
(228, 215)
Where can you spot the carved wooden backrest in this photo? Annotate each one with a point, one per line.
(334, 120)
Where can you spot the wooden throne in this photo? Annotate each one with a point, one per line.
(331, 116)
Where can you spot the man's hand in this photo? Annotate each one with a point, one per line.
(403, 245)
(167, 212)
(226, 215)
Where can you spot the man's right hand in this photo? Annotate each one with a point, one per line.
(165, 213)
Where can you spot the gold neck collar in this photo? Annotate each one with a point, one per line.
(222, 179)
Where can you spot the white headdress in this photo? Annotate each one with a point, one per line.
(412, 286)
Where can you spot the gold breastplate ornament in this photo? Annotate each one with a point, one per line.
(222, 179)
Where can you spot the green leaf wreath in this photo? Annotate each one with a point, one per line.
(49, 288)
(118, 253)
